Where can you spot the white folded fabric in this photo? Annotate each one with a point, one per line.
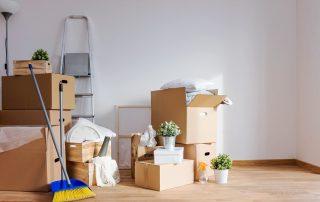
(107, 173)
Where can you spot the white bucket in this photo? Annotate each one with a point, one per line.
(221, 176)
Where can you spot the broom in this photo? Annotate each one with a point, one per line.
(69, 189)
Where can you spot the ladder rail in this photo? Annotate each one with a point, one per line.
(89, 41)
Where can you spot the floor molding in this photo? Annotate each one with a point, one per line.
(283, 162)
(265, 162)
(308, 166)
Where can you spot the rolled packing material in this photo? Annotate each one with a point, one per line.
(167, 156)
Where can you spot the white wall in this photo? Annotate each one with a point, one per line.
(246, 46)
(308, 13)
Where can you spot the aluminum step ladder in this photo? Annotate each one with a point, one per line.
(80, 66)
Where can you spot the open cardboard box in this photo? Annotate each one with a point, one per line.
(30, 167)
(18, 92)
(197, 121)
(85, 151)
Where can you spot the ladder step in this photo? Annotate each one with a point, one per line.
(81, 76)
(84, 94)
(86, 116)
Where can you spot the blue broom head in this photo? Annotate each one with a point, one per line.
(64, 192)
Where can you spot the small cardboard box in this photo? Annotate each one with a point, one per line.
(82, 171)
(162, 177)
(36, 64)
(197, 121)
(200, 153)
(85, 151)
(18, 92)
(167, 156)
(32, 166)
(33, 117)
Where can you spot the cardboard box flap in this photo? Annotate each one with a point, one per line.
(207, 100)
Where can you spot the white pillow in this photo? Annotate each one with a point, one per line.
(191, 85)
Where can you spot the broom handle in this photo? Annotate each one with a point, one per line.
(62, 136)
(49, 125)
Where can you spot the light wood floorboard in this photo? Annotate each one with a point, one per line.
(246, 183)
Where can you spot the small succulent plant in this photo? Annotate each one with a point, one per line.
(169, 129)
(221, 162)
(40, 54)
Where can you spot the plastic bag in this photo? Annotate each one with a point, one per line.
(148, 137)
(14, 137)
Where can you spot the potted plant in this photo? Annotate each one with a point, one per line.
(221, 165)
(40, 54)
(169, 131)
(39, 61)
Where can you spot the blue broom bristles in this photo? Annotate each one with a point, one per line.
(64, 192)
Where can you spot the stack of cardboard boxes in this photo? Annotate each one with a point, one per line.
(32, 166)
(79, 160)
(197, 121)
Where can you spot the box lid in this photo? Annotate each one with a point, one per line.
(207, 100)
(163, 151)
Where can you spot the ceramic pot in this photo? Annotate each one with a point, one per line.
(221, 176)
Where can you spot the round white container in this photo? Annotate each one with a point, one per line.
(221, 176)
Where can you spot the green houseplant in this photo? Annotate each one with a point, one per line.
(169, 131)
(40, 54)
(221, 165)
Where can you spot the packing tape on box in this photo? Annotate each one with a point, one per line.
(14, 137)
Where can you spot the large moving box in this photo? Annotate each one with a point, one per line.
(32, 166)
(197, 120)
(18, 92)
(162, 177)
(200, 153)
(33, 117)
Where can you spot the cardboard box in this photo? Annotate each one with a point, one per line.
(200, 153)
(167, 156)
(36, 64)
(33, 117)
(85, 151)
(82, 171)
(162, 177)
(197, 121)
(141, 154)
(31, 167)
(18, 92)
(26, 71)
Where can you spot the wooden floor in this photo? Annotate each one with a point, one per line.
(254, 183)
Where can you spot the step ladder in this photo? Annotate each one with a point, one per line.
(80, 66)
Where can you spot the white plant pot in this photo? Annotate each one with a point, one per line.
(221, 176)
(169, 142)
